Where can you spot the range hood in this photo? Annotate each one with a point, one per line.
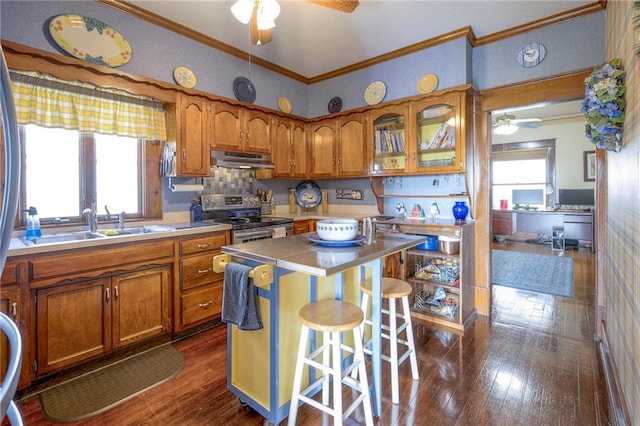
(241, 160)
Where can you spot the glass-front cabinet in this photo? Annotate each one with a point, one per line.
(438, 139)
(389, 140)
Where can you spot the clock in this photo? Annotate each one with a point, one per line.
(531, 55)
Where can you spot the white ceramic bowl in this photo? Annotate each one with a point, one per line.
(337, 229)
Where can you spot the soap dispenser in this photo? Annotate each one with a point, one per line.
(33, 224)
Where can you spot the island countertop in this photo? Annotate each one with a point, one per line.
(298, 253)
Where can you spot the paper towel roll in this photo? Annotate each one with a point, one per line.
(279, 232)
(187, 188)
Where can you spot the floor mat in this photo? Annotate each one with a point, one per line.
(100, 390)
(533, 272)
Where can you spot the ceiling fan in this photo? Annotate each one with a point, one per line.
(261, 15)
(508, 124)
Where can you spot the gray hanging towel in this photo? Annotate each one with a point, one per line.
(240, 298)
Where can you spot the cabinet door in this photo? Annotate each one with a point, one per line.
(351, 146)
(192, 149)
(323, 155)
(141, 305)
(299, 151)
(282, 148)
(10, 306)
(437, 142)
(227, 129)
(258, 132)
(201, 304)
(388, 140)
(73, 323)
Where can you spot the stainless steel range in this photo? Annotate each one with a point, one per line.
(242, 212)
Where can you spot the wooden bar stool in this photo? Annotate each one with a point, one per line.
(331, 317)
(393, 289)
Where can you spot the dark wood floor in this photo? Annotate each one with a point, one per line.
(531, 363)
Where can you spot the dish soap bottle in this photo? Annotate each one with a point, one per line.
(33, 224)
(195, 211)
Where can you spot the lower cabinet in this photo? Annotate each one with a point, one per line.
(301, 227)
(78, 321)
(199, 290)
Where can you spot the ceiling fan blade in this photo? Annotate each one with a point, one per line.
(259, 37)
(347, 6)
(526, 124)
(525, 120)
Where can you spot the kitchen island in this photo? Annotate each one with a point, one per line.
(260, 364)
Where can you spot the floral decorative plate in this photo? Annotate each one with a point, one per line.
(427, 83)
(335, 105)
(375, 92)
(284, 104)
(314, 238)
(90, 40)
(244, 90)
(184, 77)
(308, 194)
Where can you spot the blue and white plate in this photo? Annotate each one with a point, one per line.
(308, 194)
(244, 90)
(314, 238)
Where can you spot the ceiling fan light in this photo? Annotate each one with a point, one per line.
(505, 129)
(265, 23)
(242, 10)
(269, 9)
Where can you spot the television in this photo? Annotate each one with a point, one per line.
(523, 198)
(576, 197)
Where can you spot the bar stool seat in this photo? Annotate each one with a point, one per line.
(332, 318)
(393, 289)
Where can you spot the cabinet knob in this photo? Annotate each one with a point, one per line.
(204, 245)
(107, 295)
(14, 310)
(204, 271)
(116, 294)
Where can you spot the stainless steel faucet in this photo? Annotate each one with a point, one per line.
(92, 217)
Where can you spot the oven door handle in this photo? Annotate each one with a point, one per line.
(252, 234)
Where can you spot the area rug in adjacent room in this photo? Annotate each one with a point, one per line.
(534, 272)
(102, 389)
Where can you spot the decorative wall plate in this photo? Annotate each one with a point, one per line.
(531, 55)
(244, 90)
(284, 104)
(427, 83)
(90, 40)
(308, 194)
(335, 105)
(184, 77)
(375, 92)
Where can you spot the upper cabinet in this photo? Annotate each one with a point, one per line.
(389, 140)
(424, 136)
(438, 142)
(338, 147)
(290, 148)
(192, 136)
(238, 129)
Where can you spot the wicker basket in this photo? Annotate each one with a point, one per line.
(444, 271)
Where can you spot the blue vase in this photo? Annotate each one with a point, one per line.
(460, 211)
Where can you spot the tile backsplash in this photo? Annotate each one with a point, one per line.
(228, 181)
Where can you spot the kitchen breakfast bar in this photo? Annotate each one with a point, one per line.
(289, 273)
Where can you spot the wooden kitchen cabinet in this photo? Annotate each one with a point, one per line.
(389, 140)
(301, 227)
(338, 147)
(193, 115)
(78, 321)
(290, 148)
(239, 129)
(198, 294)
(11, 304)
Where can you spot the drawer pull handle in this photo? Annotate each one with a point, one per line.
(204, 271)
(204, 246)
(205, 305)
(14, 310)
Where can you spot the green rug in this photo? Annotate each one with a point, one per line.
(100, 390)
(534, 272)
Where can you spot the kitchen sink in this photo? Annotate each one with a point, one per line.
(62, 238)
(137, 230)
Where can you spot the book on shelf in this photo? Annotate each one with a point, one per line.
(444, 137)
(389, 141)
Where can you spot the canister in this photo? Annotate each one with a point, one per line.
(431, 244)
(293, 208)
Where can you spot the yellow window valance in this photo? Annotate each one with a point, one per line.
(49, 102)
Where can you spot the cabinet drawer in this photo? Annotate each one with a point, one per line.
(199, 245)
(579, 218)
(201, 304)
(300, 227)
(9, 274)
(198, 270)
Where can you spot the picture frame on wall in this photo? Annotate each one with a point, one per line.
(589, 166)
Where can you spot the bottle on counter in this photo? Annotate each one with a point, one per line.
(293, 208)
(33, 224)
(195, 211)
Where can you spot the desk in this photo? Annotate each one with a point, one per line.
(578, 224)
(260, 364)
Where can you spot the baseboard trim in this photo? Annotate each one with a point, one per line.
(615, 407)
